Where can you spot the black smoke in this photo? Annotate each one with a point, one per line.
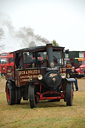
(13, 39)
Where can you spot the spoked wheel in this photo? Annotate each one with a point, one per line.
(32, 96)
(10, 94)
(69, 94)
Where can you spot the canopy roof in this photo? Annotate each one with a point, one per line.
(37, 49)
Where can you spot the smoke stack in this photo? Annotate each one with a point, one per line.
(50, 55)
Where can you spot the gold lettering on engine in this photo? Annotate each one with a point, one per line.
(28, 75)
(52, 75)
(29, 72)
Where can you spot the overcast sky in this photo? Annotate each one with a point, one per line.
(60, 20)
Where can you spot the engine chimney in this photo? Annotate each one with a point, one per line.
(50, 55)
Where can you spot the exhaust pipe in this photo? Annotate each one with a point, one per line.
(50, 55)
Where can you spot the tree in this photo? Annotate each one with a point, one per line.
(54, 43)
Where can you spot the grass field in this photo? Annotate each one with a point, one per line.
(46, 115)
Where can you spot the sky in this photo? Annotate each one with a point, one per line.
(60, 20)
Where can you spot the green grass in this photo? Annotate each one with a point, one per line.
(46, 114)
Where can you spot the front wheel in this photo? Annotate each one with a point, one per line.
(32, 97)
(10, 94)
(69, 94)
(18, 96)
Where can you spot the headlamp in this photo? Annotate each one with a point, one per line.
(51, 64)
(63, 75)
(40, 77)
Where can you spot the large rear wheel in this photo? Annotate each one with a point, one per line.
(32, 97)
(69, 94)
(10, 94)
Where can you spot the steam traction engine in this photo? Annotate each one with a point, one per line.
(38, 74)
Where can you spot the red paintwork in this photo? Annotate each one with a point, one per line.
(81, 69)
(84, 54)
(42, 97)
(3, 66)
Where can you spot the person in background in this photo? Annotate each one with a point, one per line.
(74, 74)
